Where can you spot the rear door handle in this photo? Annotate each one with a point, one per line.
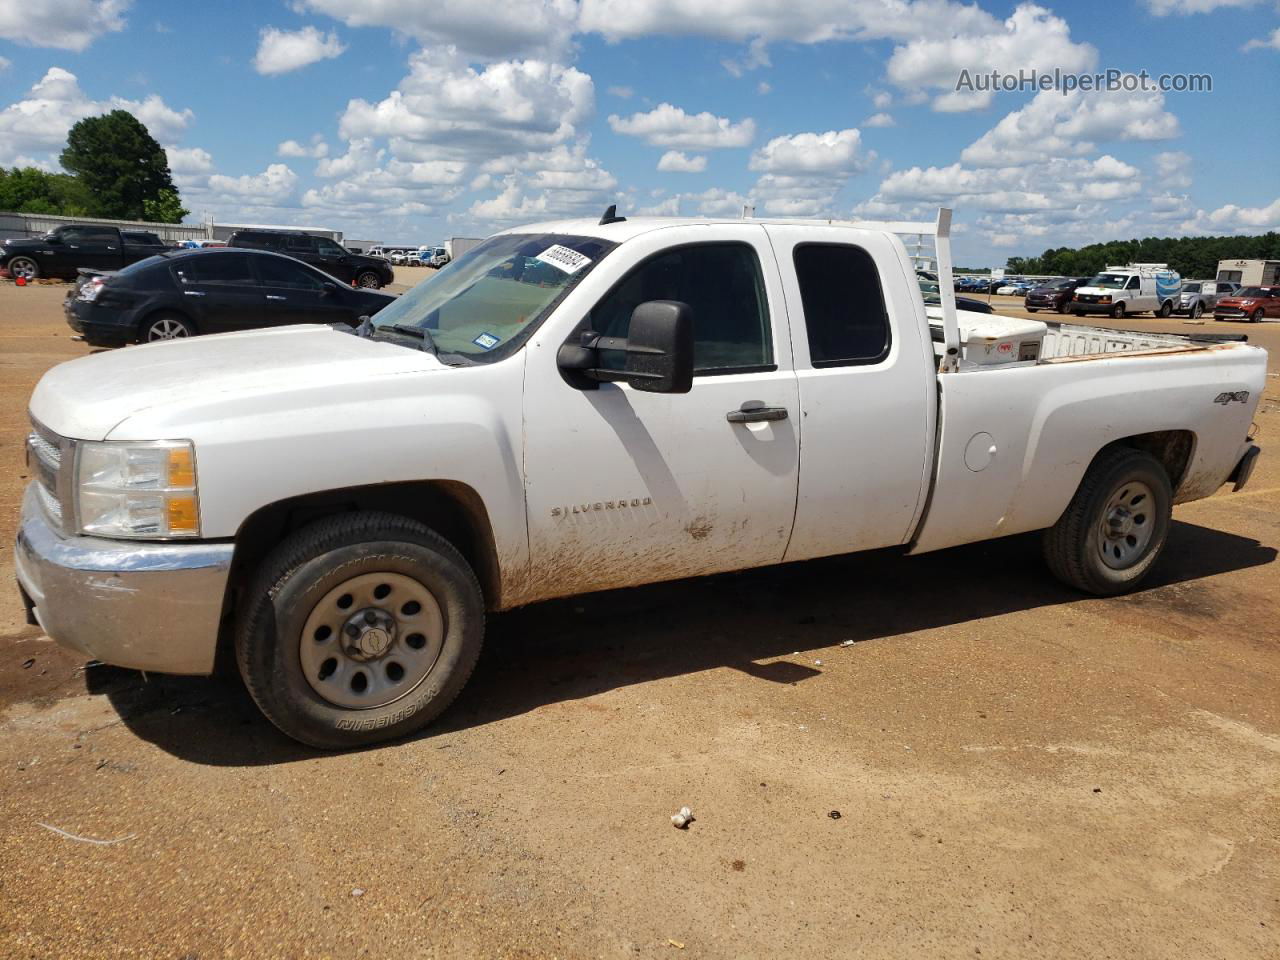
(271, 296)
(192, 293)
(756, 414)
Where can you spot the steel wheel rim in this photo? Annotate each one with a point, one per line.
(1127, 525)
(166, 328)
(371, 640)
(22, 267)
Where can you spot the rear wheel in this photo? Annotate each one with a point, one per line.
(1117, 312)
(360, 628)
(1113, 530)
(369, 280)
(1166, 308)
(166, 326)
(1064, 306)
(24, 267)
(1257, 315)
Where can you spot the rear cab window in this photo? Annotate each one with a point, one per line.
(845, 316)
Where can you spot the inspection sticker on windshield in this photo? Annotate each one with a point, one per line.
(562, 258)
(487, 341)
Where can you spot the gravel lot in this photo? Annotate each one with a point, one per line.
(1017, 771)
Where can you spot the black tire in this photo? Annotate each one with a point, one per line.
(1073, 547)
(1117, 312)
(26, 267)
(1166, 308)
(1032, 309)
(1257, 315)
(1064, 306)
(368, 280)
(309, 565)
(154, 327)
(1196, 309)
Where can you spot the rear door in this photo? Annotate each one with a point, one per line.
(220, 291)
(295, 294)
(867, 389)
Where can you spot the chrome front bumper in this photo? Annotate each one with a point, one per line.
(149, 606)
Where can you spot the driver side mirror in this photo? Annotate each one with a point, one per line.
(658, 349)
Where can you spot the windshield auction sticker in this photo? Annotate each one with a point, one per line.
(487, 341)
(562, 258)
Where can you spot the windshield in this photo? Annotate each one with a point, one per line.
(1109, 281)
(492, 296)
(1191, 288)
(1251, 292)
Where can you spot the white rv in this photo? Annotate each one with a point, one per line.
(1135, 288)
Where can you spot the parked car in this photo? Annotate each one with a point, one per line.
(1014, 289)
(1054, 295)
(1249, 303)
(188, 292)
(65, 250)
(199, 244)
(1199, 296)
(931, 292)
(359, 270)
(1135, 288)
(345, 508)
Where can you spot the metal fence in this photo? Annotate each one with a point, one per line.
(38, 224)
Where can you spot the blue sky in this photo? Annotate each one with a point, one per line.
(409, 122)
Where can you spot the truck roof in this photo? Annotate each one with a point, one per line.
(621, 230)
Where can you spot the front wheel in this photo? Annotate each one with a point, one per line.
(1111, 533)
(1196, 310)
(1117, 312)
(1257, 315)
(359, 628)
(24, 267)
(1032, 309)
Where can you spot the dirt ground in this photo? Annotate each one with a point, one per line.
(994, 766)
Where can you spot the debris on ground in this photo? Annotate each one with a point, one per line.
(682, 819)
(675, 943)
(357, 891)
(848, 643)
(834, 814)
(28, 663)
(72, 836)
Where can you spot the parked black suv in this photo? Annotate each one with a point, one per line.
(322, 253)
(182, 293)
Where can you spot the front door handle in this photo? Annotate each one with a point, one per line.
(756, 414)
(192, 293)
(274, 297)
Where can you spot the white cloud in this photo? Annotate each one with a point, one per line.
(1163, 8)
(273, 187)
(673, 161)
(1052, 124)
(763, 88)
(492, 31)
(445, 108)
(881, 99)
(622, 93)
(668, 126)
(190, 166)
(1173, 170)
(879, 120)
(38, 123)
(63, 24)
(1236, 219)
(1031, 39)
(756, 56)
(1270, 42)
(5, 64)
(362, 155)
(831, 153)
(317, 149)
(281, 51)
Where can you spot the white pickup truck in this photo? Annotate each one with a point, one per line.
(579, 406)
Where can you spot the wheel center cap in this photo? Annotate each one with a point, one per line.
(374, 642)
(1120, 523)
(368, 634)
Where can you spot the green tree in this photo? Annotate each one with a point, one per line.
(166, 208)
(120, 163)
(30, 190)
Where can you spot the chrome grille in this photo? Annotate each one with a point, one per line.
(45, 458)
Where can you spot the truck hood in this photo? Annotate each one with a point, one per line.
(89, 397)
(1099, 291)
(25, 245)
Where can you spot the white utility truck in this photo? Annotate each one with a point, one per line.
(1134, 288)
(580, 406)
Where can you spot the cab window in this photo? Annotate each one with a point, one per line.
(721, 282)
(844, 311)
(1132, 284)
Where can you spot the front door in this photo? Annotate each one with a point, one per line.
(626, 487)
(94, 248)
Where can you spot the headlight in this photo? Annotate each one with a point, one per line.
(1246, 303)
(137, 490)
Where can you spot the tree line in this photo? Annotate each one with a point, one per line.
(115, 170)
(1195, 257)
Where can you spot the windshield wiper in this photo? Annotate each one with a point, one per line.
(418, 333)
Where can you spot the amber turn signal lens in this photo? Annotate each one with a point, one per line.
(183, 515)
(182, 467)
